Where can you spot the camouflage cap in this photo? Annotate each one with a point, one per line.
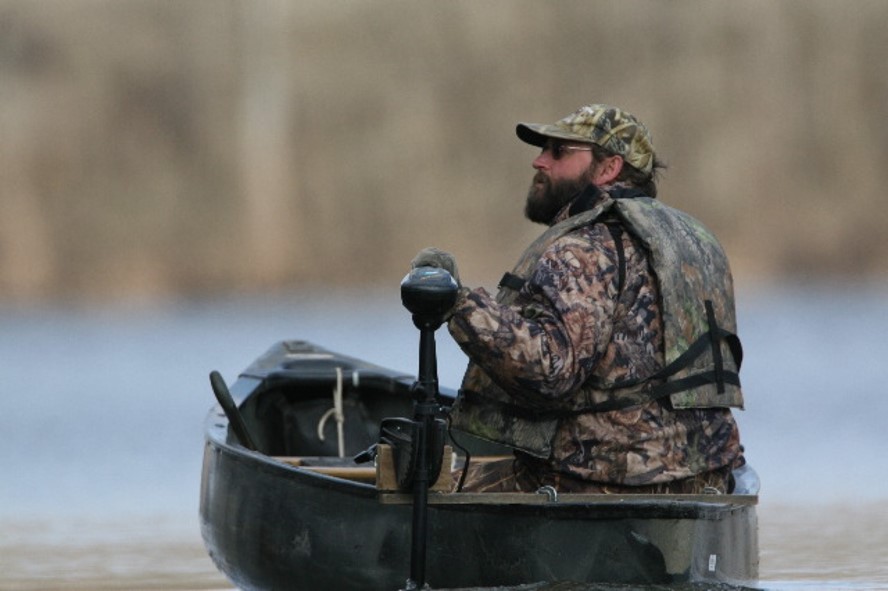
(609, 127)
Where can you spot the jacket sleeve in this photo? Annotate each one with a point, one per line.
(545, 345)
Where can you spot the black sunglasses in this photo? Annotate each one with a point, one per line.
(560, 150)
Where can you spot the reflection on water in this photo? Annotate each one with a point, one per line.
(102, 415)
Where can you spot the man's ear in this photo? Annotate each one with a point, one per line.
(607, 170)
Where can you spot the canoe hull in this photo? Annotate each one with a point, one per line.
(270, 525)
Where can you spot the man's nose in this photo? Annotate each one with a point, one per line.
(544, 160)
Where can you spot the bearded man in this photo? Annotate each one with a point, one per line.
(608, 360)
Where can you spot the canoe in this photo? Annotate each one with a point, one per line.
(296, 511)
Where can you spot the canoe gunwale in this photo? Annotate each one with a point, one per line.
(707, 506)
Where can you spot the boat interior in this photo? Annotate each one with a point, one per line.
(323, 417)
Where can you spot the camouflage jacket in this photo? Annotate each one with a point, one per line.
(577, 318)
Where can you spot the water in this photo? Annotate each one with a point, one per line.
(101, 415)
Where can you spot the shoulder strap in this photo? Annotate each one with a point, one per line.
(515, 283)
(531, 255)
(587, 208)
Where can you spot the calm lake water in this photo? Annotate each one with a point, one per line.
(102, 412)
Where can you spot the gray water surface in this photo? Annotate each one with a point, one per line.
(101, 414)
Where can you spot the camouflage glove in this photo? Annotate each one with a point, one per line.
(433, 257)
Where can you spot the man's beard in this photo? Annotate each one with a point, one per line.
(546, 198)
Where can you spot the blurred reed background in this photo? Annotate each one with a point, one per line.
(155, 149)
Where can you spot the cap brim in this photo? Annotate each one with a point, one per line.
(537, 135)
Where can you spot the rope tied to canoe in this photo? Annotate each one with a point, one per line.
(337, 413)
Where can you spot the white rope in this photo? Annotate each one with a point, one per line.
(340, 416)
(337, 413)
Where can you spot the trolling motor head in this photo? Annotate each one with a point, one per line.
(428, 293)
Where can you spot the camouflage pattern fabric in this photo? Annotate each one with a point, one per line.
(520, 475)
(610, 127)
(690, 261)
(569, 322)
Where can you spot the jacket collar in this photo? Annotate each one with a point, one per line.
(592, 195)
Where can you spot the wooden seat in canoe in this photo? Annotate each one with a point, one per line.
(382, 474)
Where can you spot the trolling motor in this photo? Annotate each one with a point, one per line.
(428, 293)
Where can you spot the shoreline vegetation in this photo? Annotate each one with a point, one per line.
(156, 149)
